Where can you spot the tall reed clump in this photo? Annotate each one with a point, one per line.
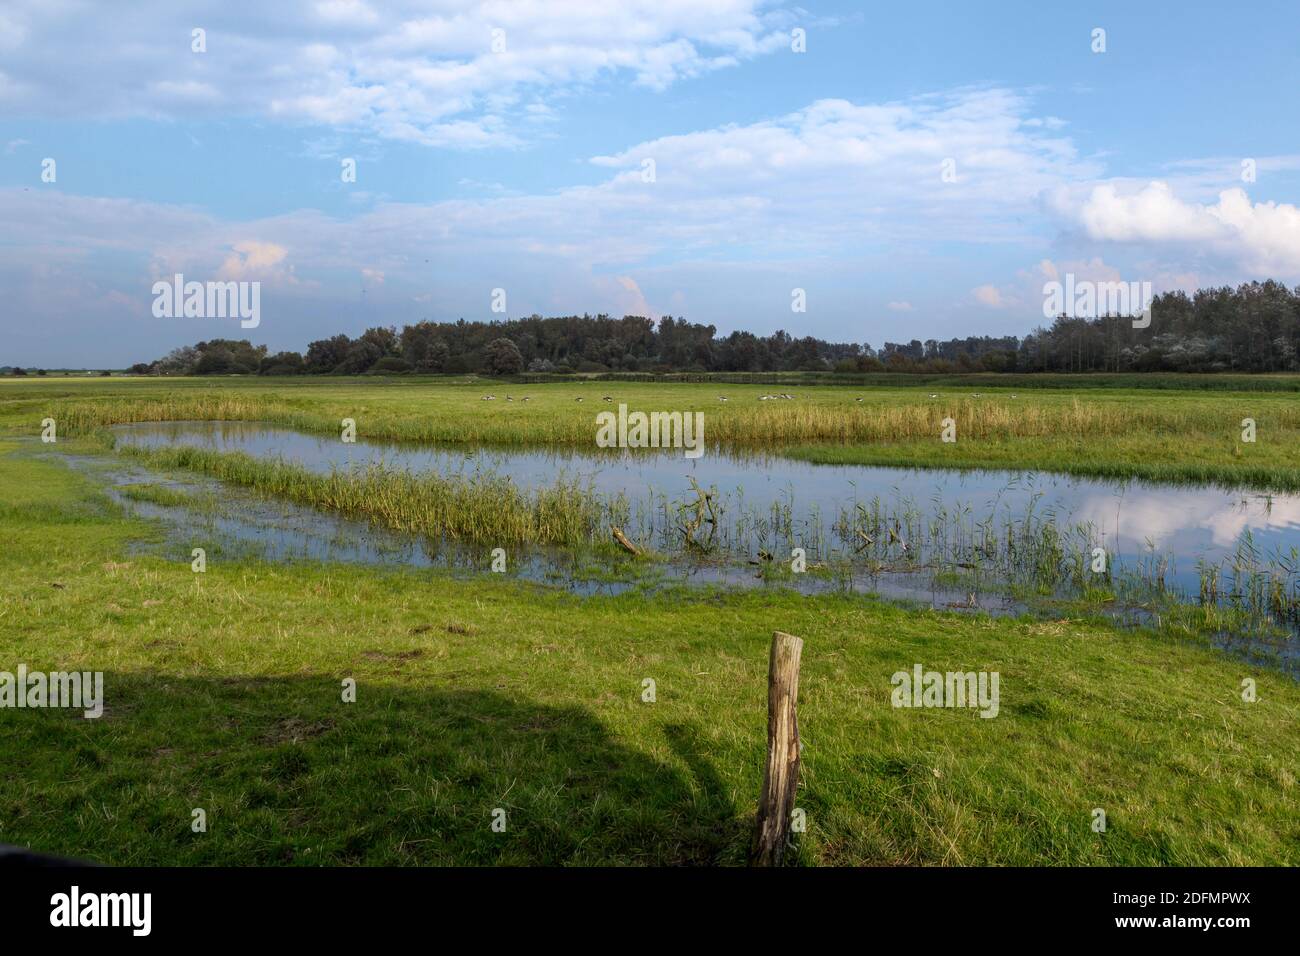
(81, 417)
(481, 507)
(452, 416)
(787, 423)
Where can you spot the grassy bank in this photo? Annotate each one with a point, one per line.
(223, 692)
(1191, 435)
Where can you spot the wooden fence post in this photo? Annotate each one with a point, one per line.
(781, 776)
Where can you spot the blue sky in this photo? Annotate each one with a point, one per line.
(522, 168)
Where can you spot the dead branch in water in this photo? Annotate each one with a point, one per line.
(621, 538)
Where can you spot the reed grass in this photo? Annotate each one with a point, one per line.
(824, 415)
(483, 507)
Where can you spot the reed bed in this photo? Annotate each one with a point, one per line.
(483, 508)
(836, 419)
(789, 423)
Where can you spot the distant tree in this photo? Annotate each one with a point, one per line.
(1254, 327)
(996, 361)
(361, 355)
(391, 363)
(415, 342)
(385, 340)
(229, 357)
(179, 361)
(435, 358)
(325, 355)
(439, 353)
(215, 361)
(281, 363)
(504, 358)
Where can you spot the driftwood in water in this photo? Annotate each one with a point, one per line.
(781, 776)
(621, 538)
(703, 502)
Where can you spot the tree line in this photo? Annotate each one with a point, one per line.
(1252, 328)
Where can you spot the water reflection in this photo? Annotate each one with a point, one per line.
(1187, 526)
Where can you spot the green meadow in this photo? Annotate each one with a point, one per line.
(1121, 430)
(224, 689)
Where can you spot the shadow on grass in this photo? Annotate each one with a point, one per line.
(287, 773)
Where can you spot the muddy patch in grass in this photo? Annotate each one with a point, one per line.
(292, 730)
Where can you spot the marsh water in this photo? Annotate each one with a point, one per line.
(943, 538)
(1184, 527)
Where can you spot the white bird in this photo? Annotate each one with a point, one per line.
(578, 399)
(722, 398)
(933, 395)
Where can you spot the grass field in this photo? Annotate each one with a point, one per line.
(1158, 434)
(224, 688)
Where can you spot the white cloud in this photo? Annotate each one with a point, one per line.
(782, 202)
(735, 217)
(254, 259)
(1261, 237)
(626, 294)
(1024, 295)
(183, 92)
(838, 171)
(346, 11)
(402, 69)
(253, 256)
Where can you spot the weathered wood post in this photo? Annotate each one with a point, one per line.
(781, 776)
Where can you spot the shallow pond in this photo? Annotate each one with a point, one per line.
(1173, 535)
(232, 523)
